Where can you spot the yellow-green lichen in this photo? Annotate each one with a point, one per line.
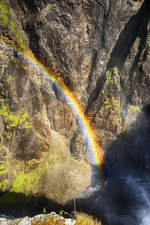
(102, 133)
(127, 62)
(136, 45)
(28, 183)
(148, 41)
(134, 108)
(109, 77)
(116, 71)
(12, 26)
(5, 20)
(112, 77)
(110, 113)
(9, 78)
(14, 93)
(13, 120)
(3, 184)
(3, 167)
(28, 175)
(19, 39)
(8, 135)
(137, 4)
(3, 13)
(2, 147)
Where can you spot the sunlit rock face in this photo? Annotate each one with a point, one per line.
(100, 49)
(35, 140)
(101, 52)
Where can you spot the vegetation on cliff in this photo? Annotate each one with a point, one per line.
(101, 52)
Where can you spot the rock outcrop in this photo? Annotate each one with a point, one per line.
(51, 218)
(101, 51)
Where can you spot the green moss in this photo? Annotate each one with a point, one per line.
(3, 184)
(136, 45)
(18, 119)
(29, 174)
(109, 77)
(127, 62)
(5, 20)
(12, 25)
(112, 77)
(137, 4)
(8, 135)
(19, 39)
(2, 147)
(3, 167)
(116, 71)
(31, 162)
(14, 93)
(28, 182)
(13, 120)
(134, 108)
(102, 133)
(148, 41)
(3, 13)
(3, 172)
(137, 42)
(19, 183)
(9, 78)
(110, 112)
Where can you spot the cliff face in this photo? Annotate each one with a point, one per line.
(101, 50)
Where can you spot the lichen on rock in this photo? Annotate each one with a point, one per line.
(100, 50)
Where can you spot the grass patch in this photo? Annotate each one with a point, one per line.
(84, 219)
(81, 219)
(52, 221)
(28, 183)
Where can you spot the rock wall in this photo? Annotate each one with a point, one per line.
(101, 51)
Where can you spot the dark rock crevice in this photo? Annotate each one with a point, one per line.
(94, 95)
(141, 48)
(136, 27)
(93, 67)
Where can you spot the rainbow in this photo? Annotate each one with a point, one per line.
(91, 140)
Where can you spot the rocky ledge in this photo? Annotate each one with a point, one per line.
(51, 218)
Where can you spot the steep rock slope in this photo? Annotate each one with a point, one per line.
(99, 48)
(34, 157)
(101, 51)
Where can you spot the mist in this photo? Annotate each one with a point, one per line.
(125, 198)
